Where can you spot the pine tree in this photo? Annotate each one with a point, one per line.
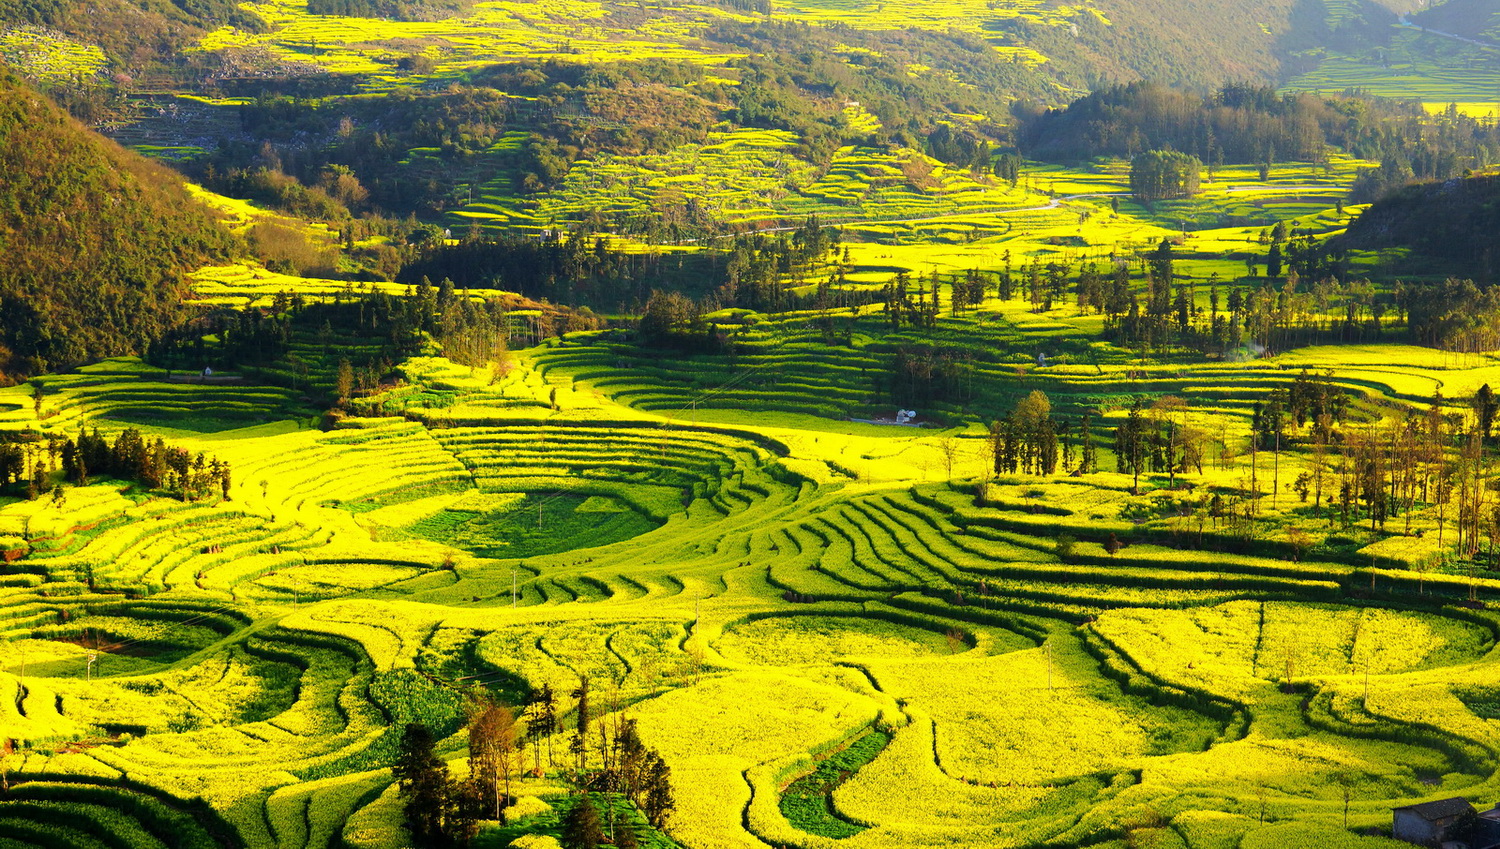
(423, 779)
(659, 802)
(580, 826)
(1485, 407)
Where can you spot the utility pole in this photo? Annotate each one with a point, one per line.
(89, 671)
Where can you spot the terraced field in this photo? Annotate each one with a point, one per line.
(836, 631)
(763, 588)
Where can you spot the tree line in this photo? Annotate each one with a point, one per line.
(40, 465)
(399, 10)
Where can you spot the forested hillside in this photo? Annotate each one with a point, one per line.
(1450, 227)
(1201, 42)
(96, 239)
(1477, 19)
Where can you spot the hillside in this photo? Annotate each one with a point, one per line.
(96, 239)
(1476, 19)
(1201, 42)
(133, 31)
(1445, 227)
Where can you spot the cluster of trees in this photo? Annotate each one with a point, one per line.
(1347, 473)
(1421, 150)
(673, 320)
(1425, 458)
(306, 345)
(34, 464)
(1237, 123)
(401, 10)
(1164, 175)
(1458, 315)
(154, 465)
(1151, 440)
(1027, 440)
(1252, 124)
(905, 306)
(275, 188)
(568, 269)
(760, 270)
(441, 811)
(923, 374)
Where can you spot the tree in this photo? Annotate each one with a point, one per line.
(7, 748)
(1485, 407)
(545, 724)
(492, 753)
(949, 448)
(580, 826)
(659, 802)
(423, 780)
(344, 383)
(631, 760)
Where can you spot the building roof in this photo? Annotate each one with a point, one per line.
(1441, 809)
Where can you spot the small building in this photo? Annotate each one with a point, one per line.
(1434, 823)
(1486, 831)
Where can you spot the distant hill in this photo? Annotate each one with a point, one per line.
(1477, 19)
(1452, 227)
(94, 240)
(1205, 43)
(133, 31)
